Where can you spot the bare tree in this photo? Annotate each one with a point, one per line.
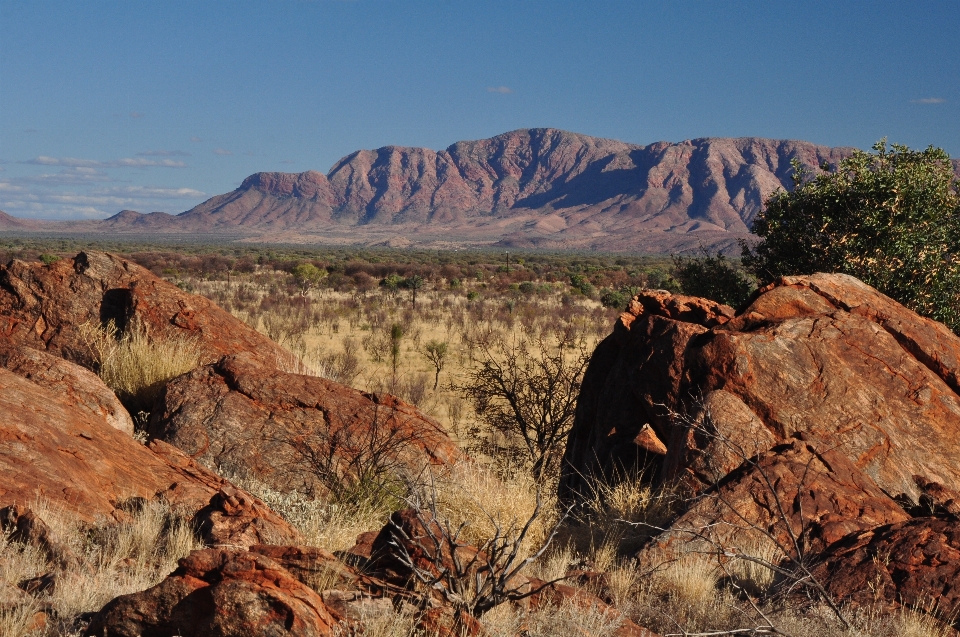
(358, 460)
(436, 353)
(526, 391)
(472, 579)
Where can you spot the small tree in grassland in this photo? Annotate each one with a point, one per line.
(436, 353)
(525, 393)
(307, 276)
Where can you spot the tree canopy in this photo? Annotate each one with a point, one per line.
(890, 217)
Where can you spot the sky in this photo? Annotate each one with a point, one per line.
(159, 104)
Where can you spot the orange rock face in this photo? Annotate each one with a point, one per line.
(42, 306)
(219, 593)
(83, 387)
(277, 426)
(59, 451)
(822, 354)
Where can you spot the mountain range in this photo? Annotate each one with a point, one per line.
(529, 188)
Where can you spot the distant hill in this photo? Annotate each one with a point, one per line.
(527, 188)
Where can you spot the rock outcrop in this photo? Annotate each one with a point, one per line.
(282, 428)
(58, 451)
(44, 307)
(799, 497)
(219, 593)
(82, 387)
(914, 564)
(822, 354)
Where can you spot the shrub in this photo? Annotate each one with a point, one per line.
(712, 277)
(891, 218)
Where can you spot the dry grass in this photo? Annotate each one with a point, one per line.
(113, 560)
(135, 365)
(332, 526)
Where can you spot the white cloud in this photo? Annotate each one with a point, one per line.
(72, 175)
(127, 162)
(195, 139)
(499, 89)
(221, 151)
(163, 153)
(929, 100)
(152, 192)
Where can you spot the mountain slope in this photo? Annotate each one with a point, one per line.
(531, 187)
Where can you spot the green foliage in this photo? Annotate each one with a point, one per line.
(49, 258)
(712, 277)
(891, 218)
(392, 283)
(306, 276)
(617, 298)
(580, 284)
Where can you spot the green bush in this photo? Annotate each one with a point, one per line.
(712, 277)
(891, 218)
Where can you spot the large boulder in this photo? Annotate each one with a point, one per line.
(791, 501)
(220, 593)
(44, 306)
(291, 430)
(61, 452)
(84, 388)
(823, 354)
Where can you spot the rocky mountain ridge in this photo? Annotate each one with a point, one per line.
(526, 188)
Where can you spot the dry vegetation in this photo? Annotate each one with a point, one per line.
(352, 318)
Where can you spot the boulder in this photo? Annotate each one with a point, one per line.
(55, 450)
(804, 491)
(219, 593)
(914, 564)
(43, 306)
(83, 387)
(823, 354)
(290, 430)
(236, 519)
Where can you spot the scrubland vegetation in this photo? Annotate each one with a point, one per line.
(493, 346)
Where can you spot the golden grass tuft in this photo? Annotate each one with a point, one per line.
(112, 560)
(135, 365)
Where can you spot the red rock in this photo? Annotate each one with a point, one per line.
(555, 595)
(23, 526)
(219, 593)
(84, 388)
(54, 450)
(823, 354)
(443, 621)
(914, 564)
(237, 519)
(805, 490)
(42, 306)
(238, 413)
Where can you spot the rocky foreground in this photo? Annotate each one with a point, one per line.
(823, 419)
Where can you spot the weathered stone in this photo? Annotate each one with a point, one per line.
(803, 491)
(914, 564)
(82, 386)
(53, 450)
(276, 426)
(237, 519)
(219, 593)
(823, 354)
(44, 306)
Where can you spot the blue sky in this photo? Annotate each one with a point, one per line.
(158, 105)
